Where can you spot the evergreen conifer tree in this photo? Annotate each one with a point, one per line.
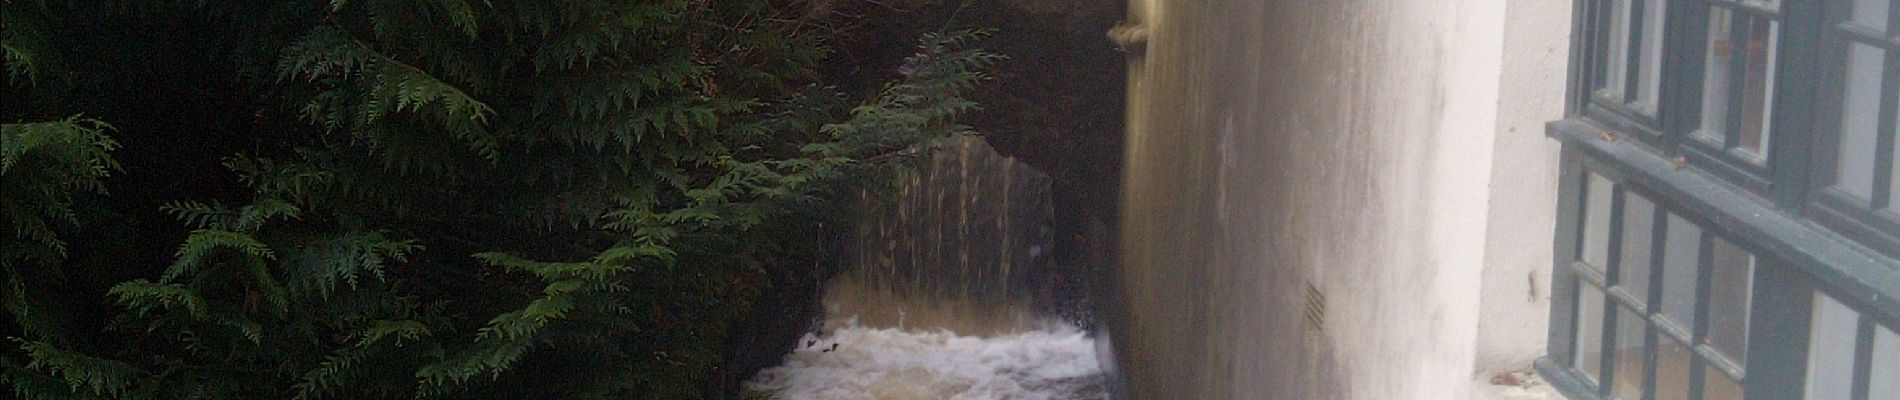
(432, 198)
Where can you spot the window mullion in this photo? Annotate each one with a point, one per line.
(1683, 53)
(1698, 375)
(1863, 357)
(1797, 102)
(1778, 331)
(1893, 26)
(1606, 358)
(1652, 338)
(1612, 308)
(1658, 255)
(1705, 261)
(1658, 242)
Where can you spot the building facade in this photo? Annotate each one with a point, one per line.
(1369, 199)
(1727, 219)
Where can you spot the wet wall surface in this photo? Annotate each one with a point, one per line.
(1055, 105)
(963, 225)
(1303, 202)
(949, 293)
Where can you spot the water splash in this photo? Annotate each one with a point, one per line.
(939, 300)
(854, 362)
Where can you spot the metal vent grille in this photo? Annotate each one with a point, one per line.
(1315, 310)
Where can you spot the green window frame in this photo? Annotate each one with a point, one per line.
(1871, 212)
(1730, 208)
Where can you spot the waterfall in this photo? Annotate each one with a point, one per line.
(939, 299)
(958, 244)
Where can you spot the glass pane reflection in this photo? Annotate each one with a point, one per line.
(1589, 331)
(1831, 336)
(1639, 223)
(1681, 249)
(1630, 365)
(1860, 117)
(1596, 221)
(1673, 360)
(1884, 383)
(1719, 386)
(1729, 285)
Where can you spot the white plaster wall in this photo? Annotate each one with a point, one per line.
(1523, 192)
(1343, 144)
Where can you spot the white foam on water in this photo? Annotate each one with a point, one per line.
(1053, 363)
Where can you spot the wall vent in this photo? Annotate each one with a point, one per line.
(1315, 310)
(1315, 318)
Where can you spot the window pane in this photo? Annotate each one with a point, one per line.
(1733, 270)
(1893, 179)
(1831, 350)
(1672, 369)
(1715, 77)
(1639, 222)
(1757, 90)
(1596, 221)
(1589, 330)
(1616, 62)
(1629, 353)
(1885, 383)
(1871, 14)
(1718, 386)
(1757, 71)
(1647, 89)
(1682, 247)
(1860, 117)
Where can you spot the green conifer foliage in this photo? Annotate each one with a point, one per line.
(439, 198)
(44, 168)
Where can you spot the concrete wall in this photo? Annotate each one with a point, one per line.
(1523, 197)
(1345, 146)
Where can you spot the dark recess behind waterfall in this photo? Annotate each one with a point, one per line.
(1056, 104)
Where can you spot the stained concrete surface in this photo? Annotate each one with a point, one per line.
(1306, 201)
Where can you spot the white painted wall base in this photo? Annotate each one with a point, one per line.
(1336, 199)
(1523, 192)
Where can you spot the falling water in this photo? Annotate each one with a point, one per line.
(947, 294)
(1056, 363)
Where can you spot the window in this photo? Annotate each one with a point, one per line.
(1720, 74)
(1629, 87)
(1633, 61)
(1652, 281)
(1744, 243)
(1738, 65)
(1857, 187)
(1850, 356)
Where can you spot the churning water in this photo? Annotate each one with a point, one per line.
(863, 363)
(937, 303)
(885, 345)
